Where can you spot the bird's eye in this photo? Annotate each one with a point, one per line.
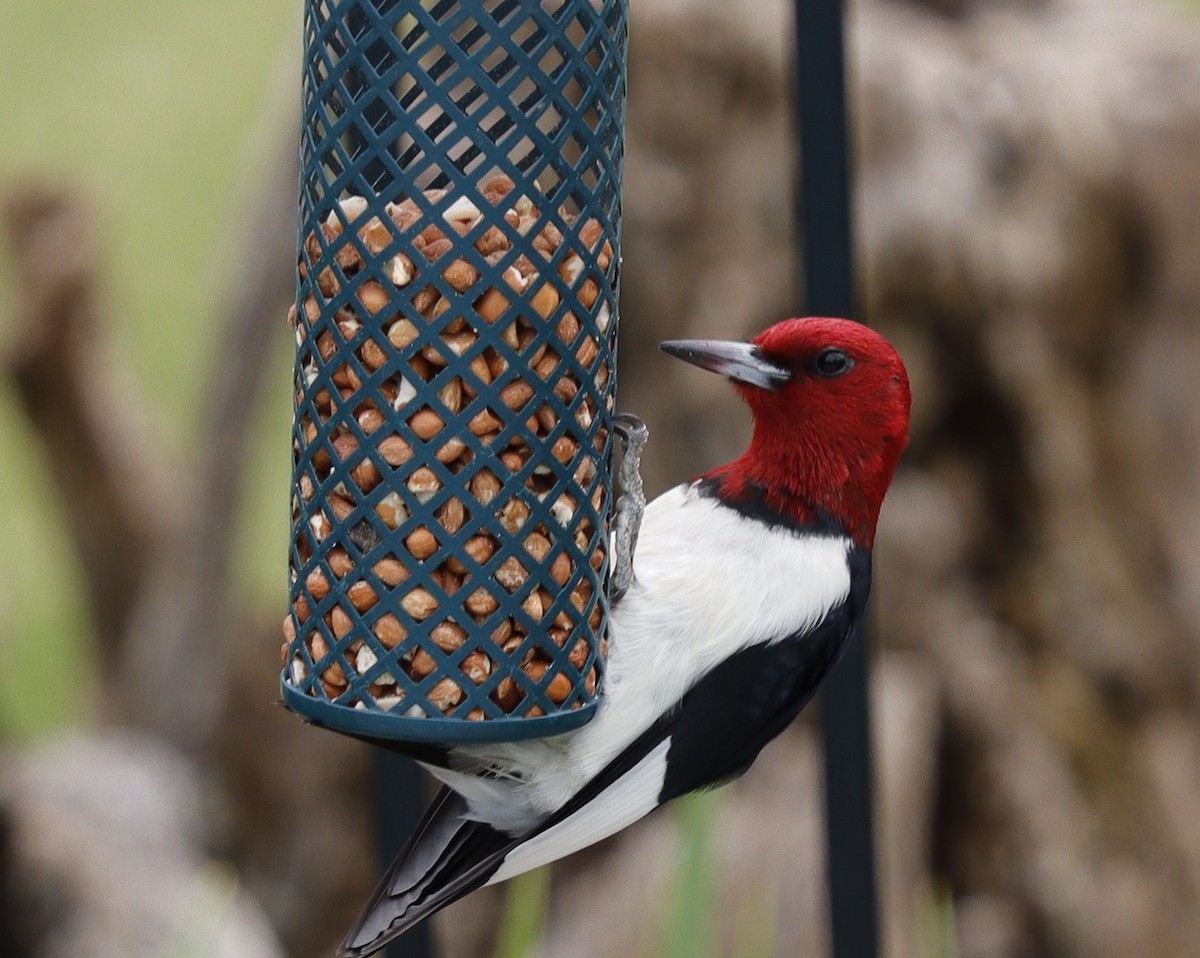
(832, 362)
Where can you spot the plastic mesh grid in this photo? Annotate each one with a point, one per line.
(456, 332)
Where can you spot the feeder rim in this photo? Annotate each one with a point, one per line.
(438, 730)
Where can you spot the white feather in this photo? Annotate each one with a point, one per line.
(634, 795)
(707, 582)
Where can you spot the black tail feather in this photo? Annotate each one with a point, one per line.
(448, 856)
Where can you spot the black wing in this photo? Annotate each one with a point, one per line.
(447, 857)
(738, 707)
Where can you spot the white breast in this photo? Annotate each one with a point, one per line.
(707, 582)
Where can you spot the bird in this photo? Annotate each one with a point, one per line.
(746, 584)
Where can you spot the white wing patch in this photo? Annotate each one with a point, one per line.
(632, 796)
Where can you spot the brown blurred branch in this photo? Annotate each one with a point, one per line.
(187, 624)
(117, 489)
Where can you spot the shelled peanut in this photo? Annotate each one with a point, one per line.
(376, 391)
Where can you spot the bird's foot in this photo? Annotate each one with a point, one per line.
(631, 504)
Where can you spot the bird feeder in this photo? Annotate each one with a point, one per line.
(455, 324)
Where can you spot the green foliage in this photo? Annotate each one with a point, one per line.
(527, 898)
(47, 660)
(690, 926)
(936, 928)
(148, 104)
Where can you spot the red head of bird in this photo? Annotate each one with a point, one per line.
(830, 401)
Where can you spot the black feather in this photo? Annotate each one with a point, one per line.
(745, 701)
(752, 503)
(447, 857)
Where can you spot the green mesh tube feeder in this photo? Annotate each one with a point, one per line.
(456, 324)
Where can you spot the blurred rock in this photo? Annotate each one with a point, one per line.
(597, 911)
(707, 249)
(106, 839)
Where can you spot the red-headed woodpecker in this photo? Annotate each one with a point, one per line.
(746, 584)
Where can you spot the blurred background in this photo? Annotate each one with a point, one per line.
(1028, 221)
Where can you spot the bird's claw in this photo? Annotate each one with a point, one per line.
(631, 503)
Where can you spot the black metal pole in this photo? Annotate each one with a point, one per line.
(824, 215)
(400, 798)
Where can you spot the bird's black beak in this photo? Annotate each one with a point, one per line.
(739, 361)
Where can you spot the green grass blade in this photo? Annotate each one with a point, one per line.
(690, 928)
(937, 928)
(526, 903)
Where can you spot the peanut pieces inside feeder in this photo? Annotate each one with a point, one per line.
(430, 371)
